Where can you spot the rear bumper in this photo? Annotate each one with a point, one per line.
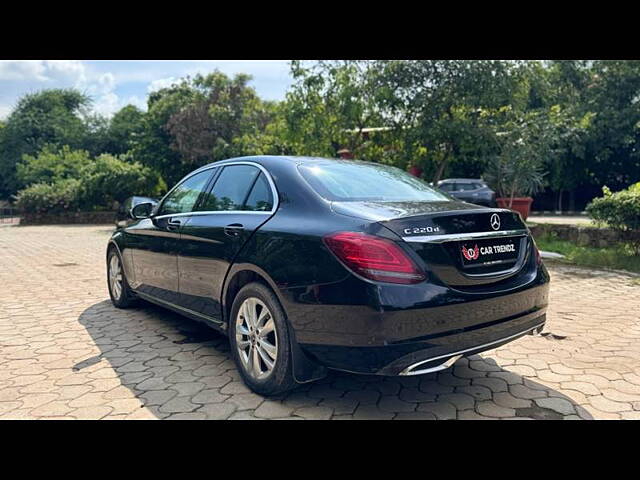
(411, 365)
(419, 330)
(414, 358)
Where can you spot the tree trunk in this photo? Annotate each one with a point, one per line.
(559, 207)
(441, 167)
(512, 195)
(572, 200)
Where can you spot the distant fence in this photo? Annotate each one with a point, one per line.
(9, 216)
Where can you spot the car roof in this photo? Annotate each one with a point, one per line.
(462, 180)
(293, 160)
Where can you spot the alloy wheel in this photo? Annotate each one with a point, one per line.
(256, 338)
(115, 276)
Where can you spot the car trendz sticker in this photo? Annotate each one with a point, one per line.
(475, 252)
(471, 253)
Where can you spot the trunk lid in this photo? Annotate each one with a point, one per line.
(463, 244)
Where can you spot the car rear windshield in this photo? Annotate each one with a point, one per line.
(345, 181)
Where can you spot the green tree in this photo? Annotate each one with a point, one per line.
(153, 146)
(329, 105)
(125, 127)
(222, 119)
(206, 118)
(49, 117)
(436, 106)
(613, 146)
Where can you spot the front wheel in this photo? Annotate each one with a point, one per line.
(259, 340)
(119, 291)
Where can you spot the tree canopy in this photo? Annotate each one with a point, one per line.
(562, 126)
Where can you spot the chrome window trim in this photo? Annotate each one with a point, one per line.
(182, 180)
(274, 193)
(453, 237)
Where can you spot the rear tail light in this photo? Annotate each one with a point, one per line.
(374, 258)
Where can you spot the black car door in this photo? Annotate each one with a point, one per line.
(241, 199)
(155, 241)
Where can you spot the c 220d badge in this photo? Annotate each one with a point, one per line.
(310, 264)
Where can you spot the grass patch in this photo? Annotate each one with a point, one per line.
(620, 257)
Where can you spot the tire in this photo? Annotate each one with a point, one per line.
(121, 295)
(258, 344)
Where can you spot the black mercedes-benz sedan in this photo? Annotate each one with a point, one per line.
(308, 264)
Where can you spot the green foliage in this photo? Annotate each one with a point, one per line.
(49, 117)
(527, 125)
(52, 164)
(125, 127)
(109, 179)
(57, 197)
(619, 257)
(525, 141)
(70, 179)
(437, 104)
(619, 210)
(223, 116)
(329, 105)
(203, 119)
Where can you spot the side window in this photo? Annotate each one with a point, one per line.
(184, 196)
(467, 186)
(231, 188)
(261, 198)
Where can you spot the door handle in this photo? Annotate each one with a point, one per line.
(234, 229)
(174, 223)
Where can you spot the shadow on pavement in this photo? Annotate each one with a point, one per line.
(179, 368)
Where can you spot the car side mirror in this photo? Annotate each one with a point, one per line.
(142, 210)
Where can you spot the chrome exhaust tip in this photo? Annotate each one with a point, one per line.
(413, 369)
(453, 357)
(536, 331)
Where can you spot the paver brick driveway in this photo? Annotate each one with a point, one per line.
(65, 352)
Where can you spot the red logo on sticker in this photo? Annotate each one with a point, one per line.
(471, 253)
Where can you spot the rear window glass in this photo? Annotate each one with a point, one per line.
(260, 199)
(360, 181)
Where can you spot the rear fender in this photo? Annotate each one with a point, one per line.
(304, 368)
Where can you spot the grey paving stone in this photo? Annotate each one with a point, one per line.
(559, 405)
(209, 396)
(217, 411)
(314, 413)
(441, 410)
(271, 409)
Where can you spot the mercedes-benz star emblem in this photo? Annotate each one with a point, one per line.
(495, 221)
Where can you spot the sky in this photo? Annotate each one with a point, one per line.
(112, 84)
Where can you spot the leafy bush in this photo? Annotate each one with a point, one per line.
(620, 210)
(109, 179)
(57, 197)
(52, 164)
(68, 179)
